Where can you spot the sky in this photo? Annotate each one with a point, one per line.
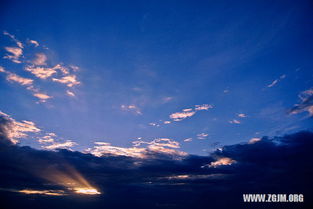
(197, 85)
(202, 74)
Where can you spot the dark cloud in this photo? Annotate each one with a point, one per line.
(271, 165)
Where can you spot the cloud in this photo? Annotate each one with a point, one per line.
(202, 135)
(221, 161)
(242, 115)
(306, 103)
(40, 59)
(18, 43)
(163, 146)
(189, 112)
(276, 81)
(16, 53)
(34, 43)
(60, 145)
(42, 97)
(20, 80)
(15, 130)
(131, 108)
(234, 121)
(188, 140)
(70, 93)
(41, 72)
(69, 80)
(217, 180)
(48, 138)
(178, 116)
(254, 140)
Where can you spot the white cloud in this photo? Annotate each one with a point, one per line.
(16, 130)
(254, 140)
(202, 135)
(188, 140)
(242, 115)
(203, 107)
(276, 81)
(18, 43)
(131, 108)
(306, 103)
(18, 79)
(16, 52)
(34, 43)
(178, 116)
(220, 162)
(40, 59)
(234, 121)
(42, 97)
(70, 93)
(69, 80)
(60, 145)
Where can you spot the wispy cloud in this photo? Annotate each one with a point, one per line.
(60, 145)
(35, 43)
(189, 112)
(69, 80)
(234, 121)
(40, 59)
(276, 81)
(306, 103)
(202, 136)
(16, 130)
(242, 115)
(222, 161)
(38, 67)
(131, 108)
(160, 145)
(15, 54)
(254, 140)
(188, 140)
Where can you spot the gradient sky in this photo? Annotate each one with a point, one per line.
(137, 63)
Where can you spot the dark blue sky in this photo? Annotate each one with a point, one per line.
(246, 63)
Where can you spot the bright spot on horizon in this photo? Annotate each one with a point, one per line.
(43, 192)
(88, 191)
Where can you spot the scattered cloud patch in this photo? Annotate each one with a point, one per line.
(221, 161)
(131, 108)
(188, 140)
(60, 145)
(202, 136)
(242, 115)
(276, 81)
(234, 121)
(306, 103)
(254, 140)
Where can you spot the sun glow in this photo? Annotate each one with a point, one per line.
(89, 191)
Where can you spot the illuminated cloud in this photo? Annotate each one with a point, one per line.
(42, 192)
(60, 145)
(41, 72)
(202, 136)
(167, 122)
(18, 43)
(306, 103)
(188, 140)
(16, 52)
(48, 138)
(234, 121)
(70, 93)
(254, 140)
(189, 112)
(221, 161)
(20, 80)
(276, 81)
(242, 115)
(203, 107)
(69, 80)
(131, 108)
(16, 130)
(34, 43)
(160, 145)
(40, 59)
(178, 116)
(42, 97)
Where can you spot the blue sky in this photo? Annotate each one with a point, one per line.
(138, 64)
